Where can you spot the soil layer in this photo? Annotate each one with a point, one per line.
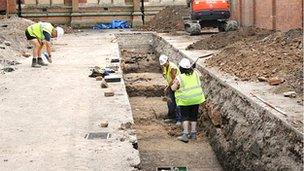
(158, 145)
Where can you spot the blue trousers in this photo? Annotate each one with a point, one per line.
(173, 109)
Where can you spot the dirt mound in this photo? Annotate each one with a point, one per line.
(12, 38)
(222, 39)
(169, 19)
(277, 55)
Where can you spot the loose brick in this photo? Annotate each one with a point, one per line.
(99, 78)
(275, 81)
(109, 93)
(25, 54)
(104, 84)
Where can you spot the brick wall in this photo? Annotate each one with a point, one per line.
(247, 11)
(2, 5)
(269, 14)
(264, 17)
(289, 14)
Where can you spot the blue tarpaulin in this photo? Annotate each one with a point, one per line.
(115, 24)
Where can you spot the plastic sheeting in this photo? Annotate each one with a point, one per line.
(115, 24)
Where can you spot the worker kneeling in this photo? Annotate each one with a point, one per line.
(40, 34)
(189, 95)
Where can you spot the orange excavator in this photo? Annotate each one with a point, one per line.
(209, 13)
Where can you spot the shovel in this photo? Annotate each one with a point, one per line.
(201, 57)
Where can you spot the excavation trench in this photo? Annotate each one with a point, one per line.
(235, 132)
(157, 142)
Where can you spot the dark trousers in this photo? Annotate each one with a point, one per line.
(173, 109)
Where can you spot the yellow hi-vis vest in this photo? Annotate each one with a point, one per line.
(36, 30)
(167, 72)
(190, 91)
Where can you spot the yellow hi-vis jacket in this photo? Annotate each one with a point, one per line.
(167, 72)
(190, 91)
(36, 30)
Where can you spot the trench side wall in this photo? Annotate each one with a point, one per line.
(243, 134)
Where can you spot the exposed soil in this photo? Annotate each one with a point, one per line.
(223, 39)
(167, 20)
(145, 84)
(277, 55)
(158, 145)
(135, 61)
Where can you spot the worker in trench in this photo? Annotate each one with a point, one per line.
(170, 71)
(40, 34)
(189, 95)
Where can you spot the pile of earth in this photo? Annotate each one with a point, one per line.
(170, 19)
(222, 39)
(12, 39)
(277, 55)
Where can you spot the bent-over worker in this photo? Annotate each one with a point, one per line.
(189, 95)
(40, 34)
(170, 71)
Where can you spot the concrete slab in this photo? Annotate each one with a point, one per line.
(46, 113)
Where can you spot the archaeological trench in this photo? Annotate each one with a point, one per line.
(236, 133)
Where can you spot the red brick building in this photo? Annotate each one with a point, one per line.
(2, 6)
(270, 14)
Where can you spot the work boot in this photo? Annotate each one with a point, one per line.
(40, 62)
(192, 136)
(178, 123)
(183, 138)
(35, 63)
(169, 120)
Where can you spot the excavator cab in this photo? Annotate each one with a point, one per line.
(210, 9)
(208, 13)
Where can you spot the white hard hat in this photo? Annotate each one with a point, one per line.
(185, 63)
(163, 59)
(60, 32)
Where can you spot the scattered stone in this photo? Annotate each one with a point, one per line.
(114, 60)
(26, 54)
(122, 139)
(99, 78)
(104, 124)
(112, 78)
(275, 81)
(290, 94)
(245, 79)
(7, 43)
(2, 47)
(97, 71)
(214, 114)
(8, 69)
(104, 84)
(13, 63)
(125, 126)
(114, 67)
(262, 79)
(109, 93)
